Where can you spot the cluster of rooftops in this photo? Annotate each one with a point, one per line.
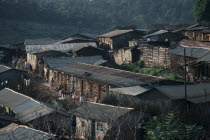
(127, 83)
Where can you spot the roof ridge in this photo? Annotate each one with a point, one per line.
(111, 106)
(6, 66)
(124, 71)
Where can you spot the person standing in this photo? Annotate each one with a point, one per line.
(52, 83)
(81, 99)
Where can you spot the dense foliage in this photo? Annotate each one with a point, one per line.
(169, 127)
(100, 13)
(202, 10)
(96, 16)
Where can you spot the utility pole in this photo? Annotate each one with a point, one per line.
(185, 81)
(206, 106)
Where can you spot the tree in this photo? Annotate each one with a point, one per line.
(169, 127)
(202, 10)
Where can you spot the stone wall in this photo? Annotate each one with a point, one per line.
(90, 88)
(155, 56)
(123, 56)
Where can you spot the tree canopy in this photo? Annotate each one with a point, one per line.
(202, 11)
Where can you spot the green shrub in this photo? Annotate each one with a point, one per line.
(139, 68)
(169, 127)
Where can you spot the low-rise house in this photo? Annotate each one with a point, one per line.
(95, 81)
(100, 121)
(153, 49)
(36, 113)
(118, 39)
(14, 77)
(6, 53)
(21, 132)
(33, 57)
(54, 62)
(198, 32)
(196, 60)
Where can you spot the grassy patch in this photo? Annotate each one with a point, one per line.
(139, 68)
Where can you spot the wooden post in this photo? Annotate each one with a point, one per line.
(185, 81)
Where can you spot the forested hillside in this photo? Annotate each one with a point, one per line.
(92, 15)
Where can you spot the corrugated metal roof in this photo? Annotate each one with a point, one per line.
(109, 75)
(206, 31)
(42, 51)
(54, 62)
(133, 91)
(115, 33)
(4, 68)
(72, 39)
(20, 132)
(190, 52)
(198, 28)
(86, 35)
(100, 112)
(40, 41)
(7, 46)
(156, 33)
(205, 58)
(60, 47)
(195, 93)
(26, 108)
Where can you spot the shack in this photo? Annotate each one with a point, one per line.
(99, 121)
